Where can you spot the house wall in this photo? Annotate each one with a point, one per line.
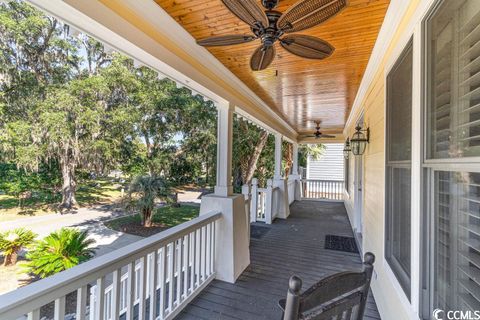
(329, 166)
(391, 300)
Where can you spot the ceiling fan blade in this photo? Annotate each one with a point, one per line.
(248, 11)
(309, 13)
(327, 136)
(262, 57)
(307, 46)
(226, 40)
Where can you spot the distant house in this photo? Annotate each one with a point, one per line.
(329, 166)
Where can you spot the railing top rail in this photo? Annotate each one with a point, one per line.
(39, 293)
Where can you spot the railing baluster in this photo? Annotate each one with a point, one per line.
(59, 313)
(131, 290)
(34, 315)
(171, 252)
(143, 287)
(207, 251)
(81, 303)
(163, 280)
(212, 248)
(179, 245)
(117, 274)
(204, 255)
(186, 263)
(153, 284)
(192, 261)
(100, 299)
(197, 257)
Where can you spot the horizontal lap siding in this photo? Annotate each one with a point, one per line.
(329, 166)
(386, 296)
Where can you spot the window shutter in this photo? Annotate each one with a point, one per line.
(458, 240)
(455, 81)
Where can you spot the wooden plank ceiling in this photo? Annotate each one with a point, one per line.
(300, 90)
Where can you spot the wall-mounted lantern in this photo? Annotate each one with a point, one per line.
(359, 140)
(347, 149)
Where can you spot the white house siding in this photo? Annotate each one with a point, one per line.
(329, 166)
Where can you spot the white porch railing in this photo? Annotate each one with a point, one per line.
(263, 201)
(127, 282)
(322, 189)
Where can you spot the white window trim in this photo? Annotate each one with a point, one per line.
(394, 57)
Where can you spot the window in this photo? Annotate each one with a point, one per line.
(452, 146)
(398, 167)
(453, 107)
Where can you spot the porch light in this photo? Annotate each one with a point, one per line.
(359, 140)
(347, 149)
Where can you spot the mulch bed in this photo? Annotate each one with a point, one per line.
(139, 230)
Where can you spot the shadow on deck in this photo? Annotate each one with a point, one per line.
(292, 246)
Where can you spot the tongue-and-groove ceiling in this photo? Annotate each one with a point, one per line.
(300, 90)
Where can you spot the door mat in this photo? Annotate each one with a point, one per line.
(339, 243)
(258, 232)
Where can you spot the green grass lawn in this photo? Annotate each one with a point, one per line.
(163, 218)
(42, 203)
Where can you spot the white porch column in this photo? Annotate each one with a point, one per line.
(295, 175)
(295, 159)
(278, 156)
(232, 254)
(224, 150)
(283, 208)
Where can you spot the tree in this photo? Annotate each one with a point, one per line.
(309, 150)
(59, 251)
(65, 98)
(142, 193)
(252, 155)
(12, 241)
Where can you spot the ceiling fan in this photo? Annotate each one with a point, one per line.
(318, 134)
(271, 26)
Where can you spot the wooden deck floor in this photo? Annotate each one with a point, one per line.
(292, 246)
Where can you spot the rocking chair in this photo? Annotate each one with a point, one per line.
(342, 296)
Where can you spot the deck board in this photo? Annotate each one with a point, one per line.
(292, 246)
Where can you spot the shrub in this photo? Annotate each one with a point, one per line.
(12, 241)
(59, 251)
(142, 193)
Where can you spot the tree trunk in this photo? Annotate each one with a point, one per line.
(147, 218)
(252, 162)
(288, 159)
(10, 259)
(69, 185)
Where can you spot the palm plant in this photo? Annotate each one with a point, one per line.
(142, 193)
(59, 251)
(310, 150)
(12, 241)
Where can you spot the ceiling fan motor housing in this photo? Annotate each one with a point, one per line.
(271, 33)
(270, 4)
